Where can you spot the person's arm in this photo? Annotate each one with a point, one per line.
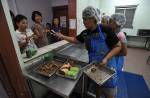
(114, 51)
(123, 49)
(34, 36)
(123, 41)
(37, 31)
(113, 43)
(78, 39)
(47, 30)
(67, 38)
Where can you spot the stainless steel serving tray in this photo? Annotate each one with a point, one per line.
(57, 62)
(69, 77)
(100, 75)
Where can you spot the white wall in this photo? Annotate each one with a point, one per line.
(141, 17)
(12, 6)
(81, 4)
(26, 7)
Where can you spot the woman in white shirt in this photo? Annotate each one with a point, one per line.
(24, 36)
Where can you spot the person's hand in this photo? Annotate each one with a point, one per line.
(59, 35)
(30, 37)
(47, 30)
(104, 62)
(27, 39)
(34, 36)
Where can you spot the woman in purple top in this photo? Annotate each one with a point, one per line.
(57, 28)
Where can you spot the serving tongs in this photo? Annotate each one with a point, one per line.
(52, 32)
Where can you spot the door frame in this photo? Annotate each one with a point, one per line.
(72, 5)
(62, 7)
(10, 70)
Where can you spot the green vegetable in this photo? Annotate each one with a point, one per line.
(76, 69)
(33, 51)
(74, 74)
(71, 73)
(48, 56)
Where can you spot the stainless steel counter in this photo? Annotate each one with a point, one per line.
(58, 85)
(62, 86)
(78, 52)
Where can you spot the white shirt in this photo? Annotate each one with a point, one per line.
(21, 37)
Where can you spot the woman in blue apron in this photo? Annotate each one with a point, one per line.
(97, 52)
(102, 46)
(117, 21)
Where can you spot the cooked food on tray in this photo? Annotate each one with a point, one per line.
(93, 70)
(69, 70)
(66, 66)
(48, 68)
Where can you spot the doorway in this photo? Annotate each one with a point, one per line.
(61, 12)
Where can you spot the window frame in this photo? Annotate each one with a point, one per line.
(125, 8)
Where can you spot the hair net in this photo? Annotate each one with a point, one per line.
(119, 18)
(98, 15)
(89, 12)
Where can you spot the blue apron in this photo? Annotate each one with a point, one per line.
(119, 62)
(98, 49)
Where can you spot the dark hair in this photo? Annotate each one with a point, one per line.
(125, 34)
(13, 19)
(34, 13)
(53, 21)
(18, 19)
(12, 15)
(49, 25)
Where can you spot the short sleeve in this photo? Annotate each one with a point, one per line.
(121, 36)
(20, 37)
(81, 36)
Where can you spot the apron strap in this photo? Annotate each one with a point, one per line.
(100, 32)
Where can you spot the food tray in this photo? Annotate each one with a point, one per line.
(100, 74)
(49, 71)
(69, 77)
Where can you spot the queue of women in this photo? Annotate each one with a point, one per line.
(39, 34)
